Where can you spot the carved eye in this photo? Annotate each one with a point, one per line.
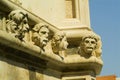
(25, 22)
(86, 41)
(14, 25)
(43, 32)
(15, 28)
(93, 42)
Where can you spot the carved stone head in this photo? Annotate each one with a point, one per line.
(59, 42)
(40, 35)
(17, 23)
(89, 44)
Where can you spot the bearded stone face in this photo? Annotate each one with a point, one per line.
(43, 33)
(17, 24)
(40, 35)
(59, 42)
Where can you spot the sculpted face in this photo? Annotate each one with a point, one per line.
(59, 42)
(24, 25)
(63, 45)
(18, 24)
(20, 18)
(89, 45)
(43, 33)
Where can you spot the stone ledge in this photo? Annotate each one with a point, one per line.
(70, 63)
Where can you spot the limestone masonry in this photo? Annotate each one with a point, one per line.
(48, 40)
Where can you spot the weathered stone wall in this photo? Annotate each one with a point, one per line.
(13, 67)
(55, 12)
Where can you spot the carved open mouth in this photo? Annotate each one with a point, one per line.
(90, 48)
(45, 40)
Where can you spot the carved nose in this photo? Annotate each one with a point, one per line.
(46, 35)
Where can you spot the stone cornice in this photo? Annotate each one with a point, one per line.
(72, 63)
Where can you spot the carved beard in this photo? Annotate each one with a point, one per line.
(43, 41)
(22, 29)
(59, 45)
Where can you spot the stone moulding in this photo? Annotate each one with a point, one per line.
(76, 62)
(13, 42)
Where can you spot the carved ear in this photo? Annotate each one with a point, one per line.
(81, 44)
(98, 50)
(96, 45)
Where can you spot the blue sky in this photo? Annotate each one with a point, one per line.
(105, 21)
